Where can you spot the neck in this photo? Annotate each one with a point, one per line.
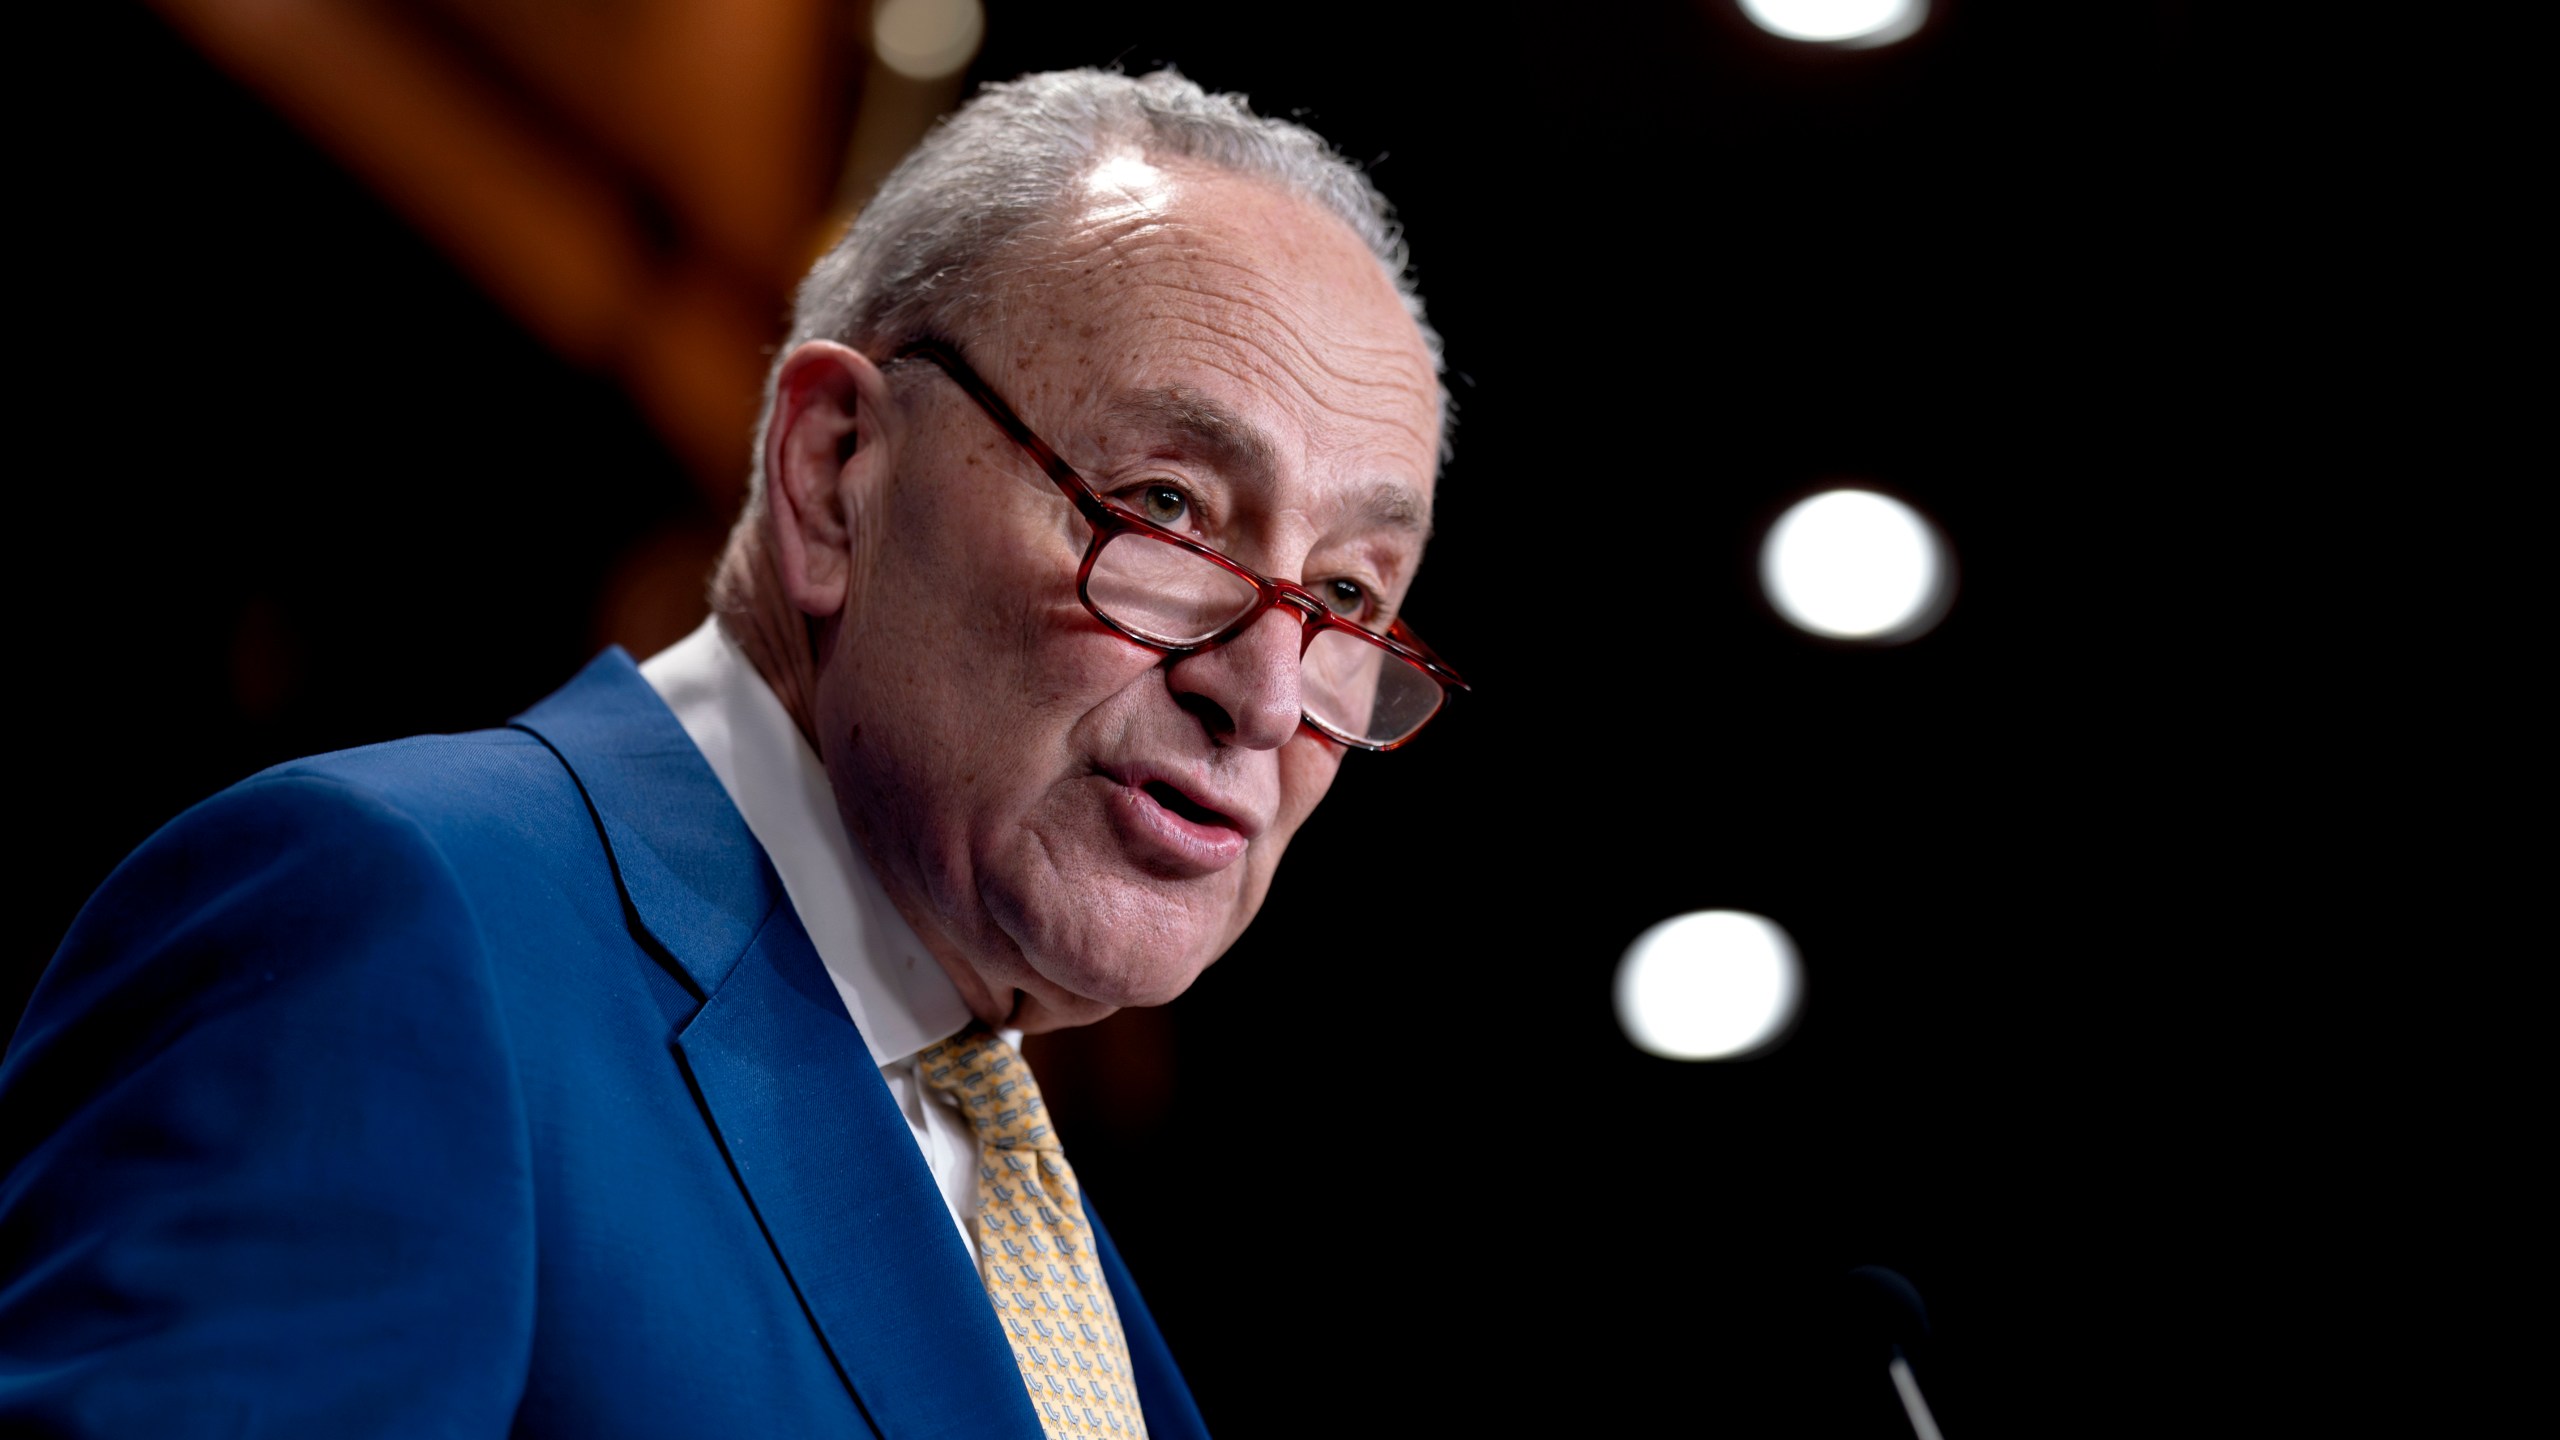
(777, 639)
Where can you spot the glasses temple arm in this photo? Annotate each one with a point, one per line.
(1060, 473)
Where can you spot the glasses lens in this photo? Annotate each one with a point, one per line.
(1163, 592)
(1365, 690)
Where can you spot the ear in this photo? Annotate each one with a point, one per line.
(827, 458)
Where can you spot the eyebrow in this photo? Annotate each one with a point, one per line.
(1198, 425)
(1228, 441)
(1397, 506)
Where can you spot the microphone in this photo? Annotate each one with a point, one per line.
(1889, 1306)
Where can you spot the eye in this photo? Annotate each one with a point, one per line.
(1347, 598)
(1162, 504)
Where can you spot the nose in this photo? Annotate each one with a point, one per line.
(1246, 691)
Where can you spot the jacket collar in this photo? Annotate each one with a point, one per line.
(692, 872)
(783, 1075)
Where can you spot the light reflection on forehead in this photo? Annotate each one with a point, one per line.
(1126, 187)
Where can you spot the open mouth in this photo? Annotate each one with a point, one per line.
(1167, 832)
(1182, 805)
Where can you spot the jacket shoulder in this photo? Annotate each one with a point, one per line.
(390, 827)
(440, 783)
(267, 1085)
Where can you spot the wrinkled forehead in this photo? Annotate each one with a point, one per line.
(1252, 315)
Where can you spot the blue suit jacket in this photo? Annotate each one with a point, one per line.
(475, 1085)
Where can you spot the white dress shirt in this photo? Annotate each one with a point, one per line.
(898, 996)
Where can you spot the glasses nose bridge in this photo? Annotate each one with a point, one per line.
(1312, 612)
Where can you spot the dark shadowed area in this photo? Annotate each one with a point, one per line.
(1687, 273)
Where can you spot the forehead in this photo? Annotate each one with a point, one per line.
(1178, 301)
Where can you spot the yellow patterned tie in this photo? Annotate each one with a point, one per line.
(1035, 1251)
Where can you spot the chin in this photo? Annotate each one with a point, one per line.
(1139, 952)
(1122, 977)
(1079, 923)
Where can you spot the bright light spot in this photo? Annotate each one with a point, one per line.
(1855, 565)
(927, 39)
(1838, 22)
(1126, 186)
(1709, 985)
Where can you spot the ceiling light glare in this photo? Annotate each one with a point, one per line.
(1850, 24)
(1856, 565)
(1709, 985)
(927, 39)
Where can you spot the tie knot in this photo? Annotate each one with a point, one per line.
(994, 1088)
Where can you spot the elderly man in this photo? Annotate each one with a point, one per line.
(642, 1068)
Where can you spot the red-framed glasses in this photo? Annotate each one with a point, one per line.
(1174, 595)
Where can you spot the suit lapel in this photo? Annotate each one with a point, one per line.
(695, 879)
(811, 1133)
(814, 1137)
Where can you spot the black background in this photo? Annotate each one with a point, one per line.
(1686, 273)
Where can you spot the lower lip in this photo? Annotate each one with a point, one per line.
(1164, 841)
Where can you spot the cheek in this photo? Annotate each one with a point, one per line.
(1072, 665)
(1023, 739)
(1027, 645)
(995, 647)
(1307, 767)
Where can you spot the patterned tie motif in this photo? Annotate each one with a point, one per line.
(1035, 1252)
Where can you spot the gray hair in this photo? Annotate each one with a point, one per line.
(923, 252)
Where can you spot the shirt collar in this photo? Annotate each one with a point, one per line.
(899, 997)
